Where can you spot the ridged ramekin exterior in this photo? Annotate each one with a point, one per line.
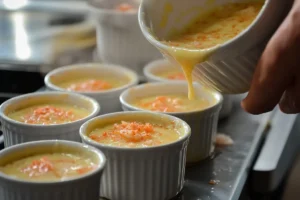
(113, 46)
(119, 38)
(142, 173)
(230, 76)
(227, 106)
(19, 134)
(85, 187)
(204, 129)
(16, 132)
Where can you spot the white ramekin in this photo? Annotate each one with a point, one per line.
(203, 123)
(230, 67)
(108, 99)
(119, 38)
(141, 173)
(158, 66)
(163, 65)
(85, 187)
(16, 132)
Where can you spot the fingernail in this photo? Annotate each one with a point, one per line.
(244, 104)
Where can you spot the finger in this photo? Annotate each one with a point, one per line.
(274, 72)
(290, 102)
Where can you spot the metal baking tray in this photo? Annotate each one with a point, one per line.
(228, 166)
(278, 153)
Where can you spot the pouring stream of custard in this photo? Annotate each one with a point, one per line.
(199, 39)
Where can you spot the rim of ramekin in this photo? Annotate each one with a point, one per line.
(133, 80)
(146, 32)
(153, 65)
(217, 96)
(94, 103)
(89, 141)
(100, 156)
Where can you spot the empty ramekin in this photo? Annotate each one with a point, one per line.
(108, 99)
(230, 67)
(16, 132)
(203, 123)
(141, 173)
(79, 188)
(119, 38)
(160, 66)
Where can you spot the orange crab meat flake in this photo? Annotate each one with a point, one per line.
(39, 167)
(43, 166)
(129, 131)
(48, 114)
(163, 104)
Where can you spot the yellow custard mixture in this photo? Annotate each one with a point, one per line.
(92, 84)
(47, 114)
(171, 103)
(135, 134)
(194, 44)
(49, 167)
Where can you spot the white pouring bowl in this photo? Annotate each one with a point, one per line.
(230, 68)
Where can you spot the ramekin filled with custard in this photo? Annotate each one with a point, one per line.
(163, 70)
(146, 154)
(171, 98)
(45, 116)
(119, 37)
(51, 170)
(103, 82)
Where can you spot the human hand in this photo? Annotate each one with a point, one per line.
(277, 75)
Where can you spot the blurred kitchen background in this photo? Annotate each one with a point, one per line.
(37, 36)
